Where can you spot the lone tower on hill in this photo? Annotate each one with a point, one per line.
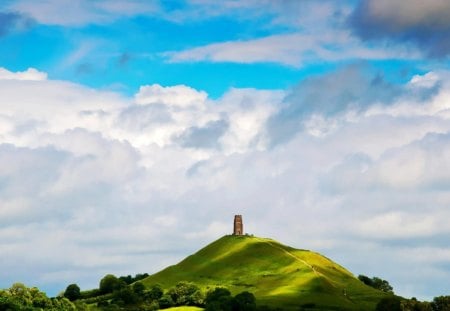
(238, 228)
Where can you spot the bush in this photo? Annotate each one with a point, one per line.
(389, 304)
(72, 292)
(376, 283)
(244, 301)
(186, 294)
(165, 301)
(110, 283)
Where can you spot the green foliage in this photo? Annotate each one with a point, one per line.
(165, 301)
(72, 292)
(391, 303)
(441, 303)
(19, 297)
(376, 283)
(414, 305)
(125, 296)
(154, 293)
(138, 288)
(86, 294)
(110, 283)
(220, 299)
(244, 301)
(217, 294)
(129, 279)
(186, 294)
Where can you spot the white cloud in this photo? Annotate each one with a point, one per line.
(180, 96)
(30, 74)
(81, 12)
(96, 183)
(296, 50)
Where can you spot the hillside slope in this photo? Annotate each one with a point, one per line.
(276, 274)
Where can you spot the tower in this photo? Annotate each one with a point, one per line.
(238, 228)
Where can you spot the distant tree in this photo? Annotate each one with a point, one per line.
(165, 301)
(125, 296)
(155, 292)
(365, 279)
(63, 304)
(110, 283)
(216, 294)
(40, 299)
(441, 303)
(72, 292)
(219, 299)
(19, 297)
(138, 288)
(127, 279)
(414, 305)
(382, 285)
(391, 303)
(376, 283)
(244, 301)
(184, 294)
(7, 303)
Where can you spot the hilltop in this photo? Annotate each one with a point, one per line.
(278, 275)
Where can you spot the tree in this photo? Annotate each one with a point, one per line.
(155, 292)
(244, 301)
(72, 292)
(389, 304)
(110, 283)
(138, 288)
(183, 294)
(20, 294)
(414, 305)
(376, 283)
(216, 294)
(219, 299)
(39, 299)
(441, 303)
(125, 296)
(382, 285)
(165, 301)
(366, 280)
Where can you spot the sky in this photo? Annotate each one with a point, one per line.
(132, 132)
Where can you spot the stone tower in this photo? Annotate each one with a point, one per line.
(238, 228)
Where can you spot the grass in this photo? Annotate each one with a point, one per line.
(276, 274)
(184, 309)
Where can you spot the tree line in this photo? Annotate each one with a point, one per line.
(115, 293)
(129, 293)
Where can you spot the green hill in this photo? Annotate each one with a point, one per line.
(278, 275)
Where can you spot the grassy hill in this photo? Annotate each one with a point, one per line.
(278, 275)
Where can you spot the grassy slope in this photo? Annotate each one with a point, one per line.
(276, 274)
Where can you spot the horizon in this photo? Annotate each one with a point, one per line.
(131, 130)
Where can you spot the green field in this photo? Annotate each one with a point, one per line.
(278, 275)
(184, 309)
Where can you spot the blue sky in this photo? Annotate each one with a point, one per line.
(132, 131)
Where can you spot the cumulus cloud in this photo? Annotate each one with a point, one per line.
(350, 90)
(95, 183)
(30, 74)
(204, 137)
(425, 24)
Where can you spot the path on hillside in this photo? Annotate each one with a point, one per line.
(297, 259)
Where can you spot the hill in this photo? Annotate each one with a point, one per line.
(278, 275)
